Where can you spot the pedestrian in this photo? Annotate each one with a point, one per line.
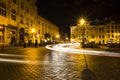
(36, 43)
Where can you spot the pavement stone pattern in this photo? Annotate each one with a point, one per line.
(53, 65)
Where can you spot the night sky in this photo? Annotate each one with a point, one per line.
(64, 13)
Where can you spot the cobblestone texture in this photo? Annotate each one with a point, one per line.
(52, 65)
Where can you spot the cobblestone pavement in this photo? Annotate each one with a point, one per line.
(43, 64)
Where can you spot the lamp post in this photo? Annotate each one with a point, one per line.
(82, 24)
(57, 37)
(33, 36)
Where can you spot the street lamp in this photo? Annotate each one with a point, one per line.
(82, 21)
(33, 30)
(33, 34)
(82, 24)
(57, 37)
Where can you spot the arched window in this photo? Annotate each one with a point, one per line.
(2, 9)
(13, 14)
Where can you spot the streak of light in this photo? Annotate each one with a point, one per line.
(29, 62)
(61, 48)
(11, 55)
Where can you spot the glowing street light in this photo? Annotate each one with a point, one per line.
(82, 21)
(57, 36)
(33, 30)
(33, 35)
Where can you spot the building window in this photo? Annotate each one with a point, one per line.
(14, 1)
(112, 27)
(39, 31)
(39, 22)
(42, 24)
(112, 36)
(27, 10)
(74, 36)
(103, 36)
(13, 14)
(2, 9)
(92, 36)
(103, 41)
(99, 36)
(46, 25)
(21, 19)
(42, 31)
(27, 24)
(116, 27)
(108, 31)
(112, 31)
(22, 7)
(101, 30)
(108, 36)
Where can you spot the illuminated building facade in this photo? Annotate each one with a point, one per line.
(108, 32)
(47, 30)
(17, 18)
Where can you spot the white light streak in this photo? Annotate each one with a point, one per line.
(61, 48)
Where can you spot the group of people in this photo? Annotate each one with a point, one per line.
(30, 44)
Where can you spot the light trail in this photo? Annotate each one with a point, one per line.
(11, 55)
(61, 48)
(4, 58)
(30, 62)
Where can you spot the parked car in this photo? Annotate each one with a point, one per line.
(91, 45)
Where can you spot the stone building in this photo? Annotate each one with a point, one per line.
(99, 32)
(17, 19)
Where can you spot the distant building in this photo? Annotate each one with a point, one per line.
(102, 33)
(47, 27)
